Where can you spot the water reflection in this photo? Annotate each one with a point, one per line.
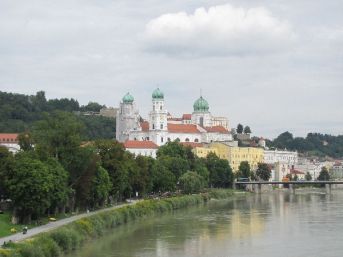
(307, 223)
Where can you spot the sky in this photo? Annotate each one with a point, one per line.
(273, 65)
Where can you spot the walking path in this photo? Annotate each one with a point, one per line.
(52, 225)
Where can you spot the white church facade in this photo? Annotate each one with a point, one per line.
(161, 127)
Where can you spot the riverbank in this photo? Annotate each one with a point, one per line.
(70, 237)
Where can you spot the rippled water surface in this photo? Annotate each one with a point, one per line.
(309, 223)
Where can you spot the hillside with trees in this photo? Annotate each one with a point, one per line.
(18, 113)
(314, 144)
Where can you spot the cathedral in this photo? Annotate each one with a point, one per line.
(161, 127)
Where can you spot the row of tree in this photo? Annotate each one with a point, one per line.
(315, 144)
(241, 129)
(19, 112)
(55, 172)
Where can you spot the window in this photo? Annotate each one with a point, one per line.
(161, 107)
(161, 139)
(169, 139)
(161, 126)
(187, 140)
(147, 138)
(196, 140)
(153, 126)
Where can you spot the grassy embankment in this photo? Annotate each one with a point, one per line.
(70, 237)
(6, 225)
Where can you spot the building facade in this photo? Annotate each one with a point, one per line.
(10, 141)
(161, 127)
(277, 156)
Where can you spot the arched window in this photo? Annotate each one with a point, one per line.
(187, 140)
(169, 139)
(196, 140)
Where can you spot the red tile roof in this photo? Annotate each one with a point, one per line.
(217, 129)
(294, 171)
(187, 117)
(8, 138)
(175, 119)
(145, 126)
(140, 144)
(182, 128)
(192, 144)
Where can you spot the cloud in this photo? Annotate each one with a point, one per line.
(220, 30)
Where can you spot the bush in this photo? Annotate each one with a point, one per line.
(70, 237)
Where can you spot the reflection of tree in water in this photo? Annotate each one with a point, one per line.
(222, 225)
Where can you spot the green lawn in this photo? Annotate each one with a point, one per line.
(5, 225)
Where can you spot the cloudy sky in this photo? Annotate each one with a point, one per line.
(271, 64)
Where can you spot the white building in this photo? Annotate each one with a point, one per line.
(144, 148)
(10, 141)
(283, 157)
(336, 171)
(162, 127)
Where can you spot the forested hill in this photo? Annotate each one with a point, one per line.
(18, 113)
(314, 144)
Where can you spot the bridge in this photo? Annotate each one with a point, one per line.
(258, 184)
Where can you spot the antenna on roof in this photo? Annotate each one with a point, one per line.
(200, 92)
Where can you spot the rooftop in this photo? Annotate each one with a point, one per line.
(140, 144)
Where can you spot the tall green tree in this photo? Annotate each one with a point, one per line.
(163, 179)
(244, 169)
(58, 134)
(30, 185)
(247, 130)
(308, 176)
(6, 167)
(263, 171)
(100, 187)
(220, 171)
(324, 174)
(60, 190)
(191, 182)
(239, 129)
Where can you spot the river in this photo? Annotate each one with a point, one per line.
(308, 223)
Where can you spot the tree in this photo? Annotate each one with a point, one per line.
(199, 167)
(100, 188)
(191, 182)
(308, 176)
(117, 162)
(177, 165)
(163, 179)
(263, 171)
(247, 130)
(30, 185)
(58, 135)
(144, 181)
(6, 167)
(239, 129)
(324, 175)
(220, 171)
(91, 107)
(60, 189)
(25, 141)
(244, 169)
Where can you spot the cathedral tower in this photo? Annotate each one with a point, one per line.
(127, 118)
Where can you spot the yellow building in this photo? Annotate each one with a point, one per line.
(235, 155)
(202, 152)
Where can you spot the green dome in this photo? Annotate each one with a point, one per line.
(200, 105)
(128, 99)
(157, 94)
